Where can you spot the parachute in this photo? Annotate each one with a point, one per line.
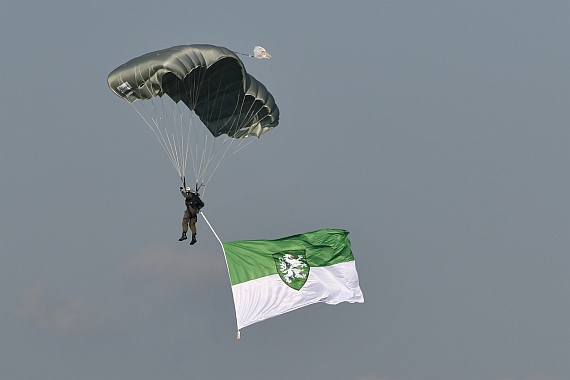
(169, 88)
(259, 52)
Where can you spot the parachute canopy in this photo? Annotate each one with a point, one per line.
(203, 80)
(209, 80)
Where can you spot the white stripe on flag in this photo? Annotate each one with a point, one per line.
(268, 296)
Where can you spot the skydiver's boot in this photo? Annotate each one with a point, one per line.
(193, 241)
(183, 237)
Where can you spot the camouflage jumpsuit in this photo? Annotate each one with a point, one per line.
(193, 205)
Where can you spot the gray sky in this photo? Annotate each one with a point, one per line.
(436, 132)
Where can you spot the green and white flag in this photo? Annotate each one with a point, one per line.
(272, 277)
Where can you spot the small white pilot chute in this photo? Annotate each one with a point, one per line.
(260, 53)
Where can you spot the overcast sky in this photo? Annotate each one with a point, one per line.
(436, 132)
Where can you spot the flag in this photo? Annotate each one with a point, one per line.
(273, 277)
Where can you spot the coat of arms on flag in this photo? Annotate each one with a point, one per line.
(292, 268)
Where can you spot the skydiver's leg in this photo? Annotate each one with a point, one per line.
(185, 221)
(193, 229)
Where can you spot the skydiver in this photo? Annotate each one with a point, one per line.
(193, 205)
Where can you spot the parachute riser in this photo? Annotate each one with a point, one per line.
(198, 186)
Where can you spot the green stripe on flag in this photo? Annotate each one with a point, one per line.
(251, 259)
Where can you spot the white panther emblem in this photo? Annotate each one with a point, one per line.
(292, 267)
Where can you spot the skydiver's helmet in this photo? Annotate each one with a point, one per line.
(191, 191)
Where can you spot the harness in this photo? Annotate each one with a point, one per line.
(195, 203)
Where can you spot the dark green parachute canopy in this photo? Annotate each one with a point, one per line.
(210, 80)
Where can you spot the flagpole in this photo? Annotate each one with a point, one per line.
(225, 258)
